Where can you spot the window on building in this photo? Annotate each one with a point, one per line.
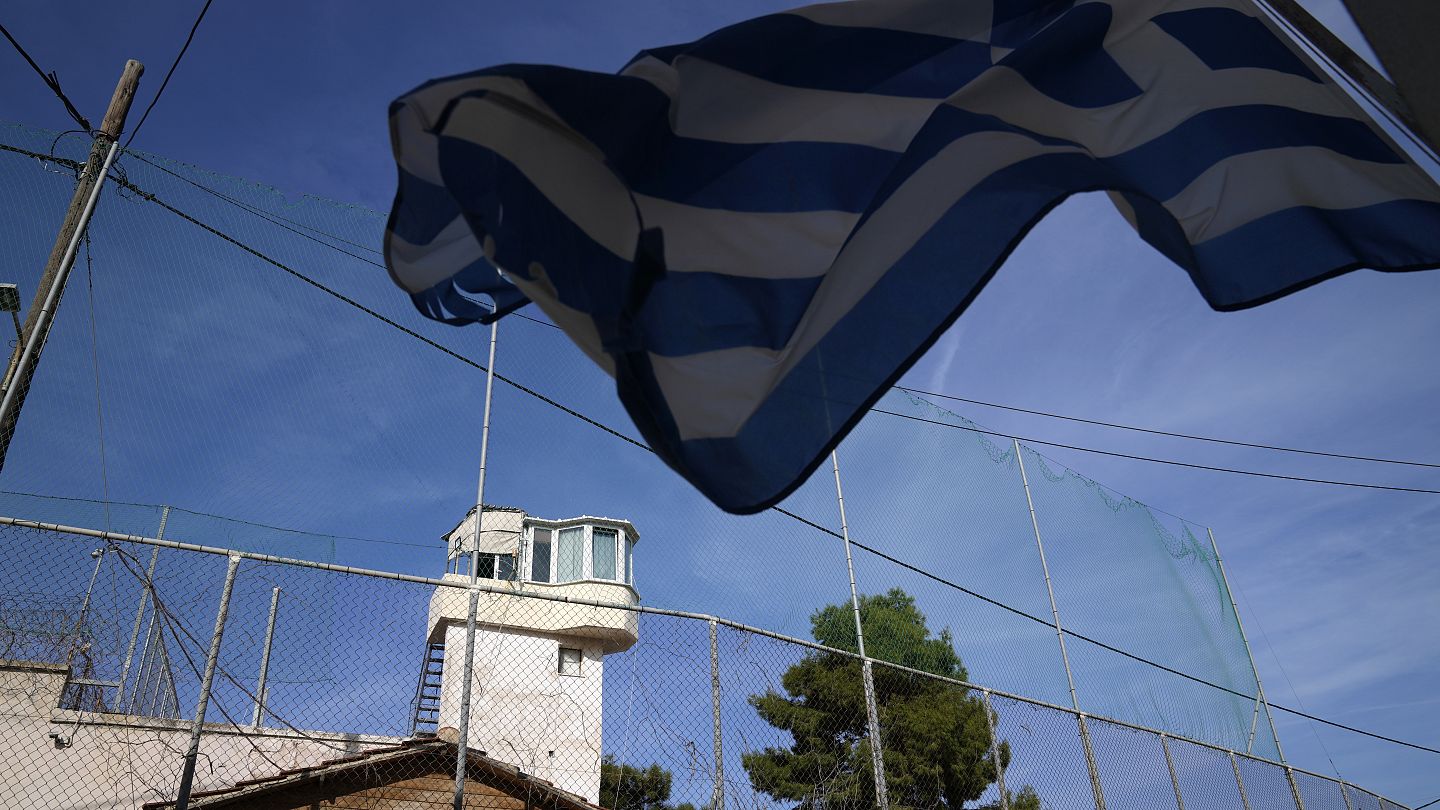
(540, 556)
(570, 658)
(570, 555)
(495, 566)
(629, 561)
(603, 551)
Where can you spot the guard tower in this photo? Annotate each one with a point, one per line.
(539, 664)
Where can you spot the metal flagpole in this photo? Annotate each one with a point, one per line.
(867, 675)
(462, 743)
(1259, 690)
(1060, 634)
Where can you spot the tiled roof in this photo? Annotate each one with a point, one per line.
(502, 775)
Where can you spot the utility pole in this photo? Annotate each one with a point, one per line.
(26, 356)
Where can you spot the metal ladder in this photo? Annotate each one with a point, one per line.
(426, 718)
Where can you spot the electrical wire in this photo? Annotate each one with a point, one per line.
(52, 81)
(1133, 457)
(1153, 460)
(171, 72)
(1153, 431)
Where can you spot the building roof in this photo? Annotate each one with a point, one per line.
(377, 768)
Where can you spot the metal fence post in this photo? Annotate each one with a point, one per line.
(1345, 794)
(995, 749)
(867, 674)
(1170, 763)
(1239, 782)
(187, 777)
(717, 801)
(1294, 788)
(260, 687)
(1259, 689)
(1060, 635)
(140, 609)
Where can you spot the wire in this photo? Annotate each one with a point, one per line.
(1232, 442)
(1153, 460)
(95, 363)
(369, 311)
(150, 197)
(281, 222)
(52, 81)
(171, 72)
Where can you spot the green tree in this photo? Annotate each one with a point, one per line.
(935, 738)
(626, 787)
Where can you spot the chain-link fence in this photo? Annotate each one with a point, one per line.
(323, 683)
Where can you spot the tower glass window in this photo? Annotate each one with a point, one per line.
(540, 556)
(603, 551)
(570, 658)
(570, 555)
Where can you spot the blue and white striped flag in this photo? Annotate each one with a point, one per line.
(758, 232)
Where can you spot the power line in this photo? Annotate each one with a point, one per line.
(52, 81)
(907, 566)
(171, 72)
(1154, 460)
(1232, 442)
(1302, 479)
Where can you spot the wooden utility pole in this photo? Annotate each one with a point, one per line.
(48, 292)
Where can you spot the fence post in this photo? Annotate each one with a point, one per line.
(1345, 794)
(260, 687)
(1294, 788)
(867, 674)
(717, 801)
(1170, 763)
(140, 609)
(1239, 782)
(187, 777)
(1060, 635)
(1259, 689)
(995, 749)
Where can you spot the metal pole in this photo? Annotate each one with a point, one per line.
(462, 747)
(995, 750)
(1239, 782)
(717, 800)
(1170, 763)
(1259, 688)
(867, 676)
(99, 555)
(62, 256)
(1060, 635)
(1294, 788)
(140, 609)
(260, 688)
(187, 777)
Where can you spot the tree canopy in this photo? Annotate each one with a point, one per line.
(626, 787)
(935, 737)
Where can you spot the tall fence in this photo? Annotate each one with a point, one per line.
(734, 716)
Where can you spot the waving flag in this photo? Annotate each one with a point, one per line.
(758, 232)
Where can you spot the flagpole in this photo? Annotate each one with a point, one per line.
(867, 676)
(462, 742)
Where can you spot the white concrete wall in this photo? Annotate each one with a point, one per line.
(613, 628)
(114, 761)
(522, 710)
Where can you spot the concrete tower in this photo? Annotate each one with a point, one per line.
(539, 664)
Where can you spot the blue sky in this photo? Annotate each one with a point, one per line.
(1336, 584)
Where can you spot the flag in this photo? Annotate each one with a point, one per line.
(758, 232)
